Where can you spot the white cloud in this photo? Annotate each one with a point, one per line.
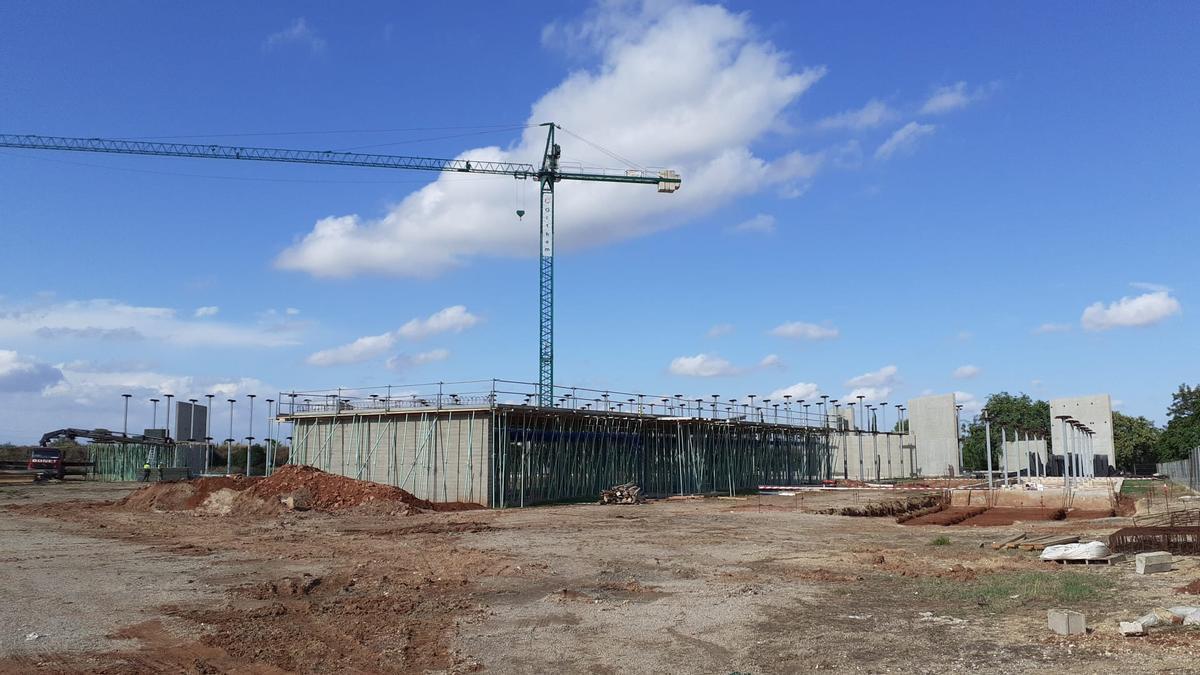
(886, 375)
(720, 330)
(88, 386)
(874, 113)
(1052, 328)
(873, 386)
(291, 311)
(25, 374)
(869, 394)
(971, 405)
(967, 372)
(405, 361)
(904, 139)
(298, 33)
(1149, 286)
(702, 365)
(806, 391)
(954, 96)
(693, 88)
(363, 349)
(771, 361)
(454, 319)
(1143, 310)
(103, 319)
(801, 330)
(209, 310)
(762, 223)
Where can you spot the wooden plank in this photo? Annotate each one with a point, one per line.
(1004, 543)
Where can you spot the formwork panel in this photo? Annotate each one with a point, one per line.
(436, 455)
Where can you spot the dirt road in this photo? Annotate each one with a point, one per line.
(696, 586)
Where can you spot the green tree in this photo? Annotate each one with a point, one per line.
(1014, 413)
(1135, 440)
(1183, 425)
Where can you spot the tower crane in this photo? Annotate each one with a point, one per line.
(546, 176)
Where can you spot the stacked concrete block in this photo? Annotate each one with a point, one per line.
(1066, 622)
(1149, 563)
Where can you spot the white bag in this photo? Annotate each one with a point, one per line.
(1092, 550)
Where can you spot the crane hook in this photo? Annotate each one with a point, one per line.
(520, 213)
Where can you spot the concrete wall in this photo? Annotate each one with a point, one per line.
(1018, 452)
(1095, 411)
(442, 456)
(933, 424)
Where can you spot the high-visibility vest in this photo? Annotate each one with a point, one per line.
(146, 466)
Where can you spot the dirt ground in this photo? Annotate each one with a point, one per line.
(760, 585)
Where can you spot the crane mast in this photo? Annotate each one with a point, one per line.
(547, 175)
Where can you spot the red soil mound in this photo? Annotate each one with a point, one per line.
(327, 492)
(1192, 588)
(316, 489)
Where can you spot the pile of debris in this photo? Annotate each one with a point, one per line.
(1160, 616)
(626, 493)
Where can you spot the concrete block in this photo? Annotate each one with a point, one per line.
(1149, 563)
(1066, 622)
(1131, 628)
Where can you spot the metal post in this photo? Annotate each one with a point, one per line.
(169, 397)
(269, 459)
(154, 419)
(208, 437)
(250, 435)
(229, 441)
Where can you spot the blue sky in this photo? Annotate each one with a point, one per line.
(897, 199)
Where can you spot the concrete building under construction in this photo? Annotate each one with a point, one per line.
(487, 443)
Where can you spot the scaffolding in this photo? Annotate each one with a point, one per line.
(488, 442)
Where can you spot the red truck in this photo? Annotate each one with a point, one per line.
(48, 462)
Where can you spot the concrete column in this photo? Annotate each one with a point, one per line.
(1004, 449)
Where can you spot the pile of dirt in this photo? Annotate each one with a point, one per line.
(328, 492)
(159, 497)
(310, 488)
(897, 507)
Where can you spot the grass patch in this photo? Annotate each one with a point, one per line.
(1137, 488)
(940, 541)
(1008, 590)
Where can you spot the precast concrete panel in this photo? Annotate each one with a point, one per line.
(1025, 455)
(1093, 411)
(441, 456)
(933, 424)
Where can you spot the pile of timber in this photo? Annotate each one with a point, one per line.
(626, 493)
(1025, 543)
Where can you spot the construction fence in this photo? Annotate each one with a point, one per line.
(1184, 471)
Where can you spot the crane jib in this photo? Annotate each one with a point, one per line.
(548, 174)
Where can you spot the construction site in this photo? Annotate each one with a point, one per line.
(463, 528)
(597, 522)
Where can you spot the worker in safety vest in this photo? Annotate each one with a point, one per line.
(145, 472)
